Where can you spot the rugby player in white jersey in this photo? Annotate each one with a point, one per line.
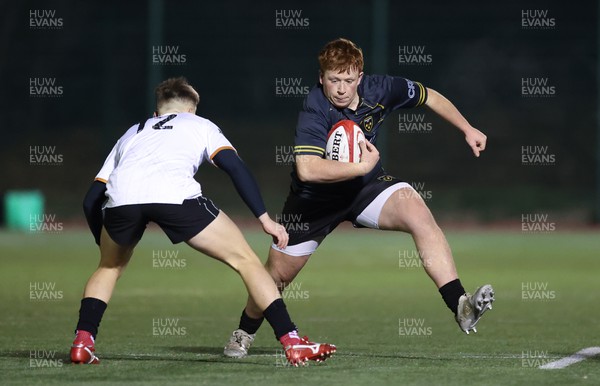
(149, 176)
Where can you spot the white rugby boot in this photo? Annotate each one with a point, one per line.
(472, 307)
(239, 344)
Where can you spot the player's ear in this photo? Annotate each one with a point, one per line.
(320, 77)
(155, 114)
(360, 76)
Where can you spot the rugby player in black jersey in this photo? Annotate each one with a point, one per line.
(325, 193)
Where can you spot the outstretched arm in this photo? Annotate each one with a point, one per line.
(445, 109)
(247, 188)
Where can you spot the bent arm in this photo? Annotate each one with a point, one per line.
(445, 109)
(312, 168)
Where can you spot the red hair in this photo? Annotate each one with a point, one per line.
(341, 55)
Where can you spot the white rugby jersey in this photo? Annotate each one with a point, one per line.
(158, 164)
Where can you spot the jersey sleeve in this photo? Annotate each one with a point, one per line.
(113, 157)
(215, 142)
(311, 133)
(403, 93)
(109, 165)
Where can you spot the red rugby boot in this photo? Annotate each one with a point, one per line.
(299, 351)
(82, 350)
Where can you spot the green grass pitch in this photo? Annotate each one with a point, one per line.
(174, 309)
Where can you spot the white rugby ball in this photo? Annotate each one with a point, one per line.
(342, 142)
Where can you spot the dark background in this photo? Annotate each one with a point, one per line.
(102, 58)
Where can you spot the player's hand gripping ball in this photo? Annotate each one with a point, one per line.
(342, 142)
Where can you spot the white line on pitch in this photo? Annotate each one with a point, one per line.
(579, 356)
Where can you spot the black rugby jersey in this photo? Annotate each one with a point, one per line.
(379, 96)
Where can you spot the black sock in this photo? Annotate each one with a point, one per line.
(279, 319)
(90, 315)
(451, 292)
(249, 324)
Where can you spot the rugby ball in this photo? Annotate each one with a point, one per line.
(342, 142)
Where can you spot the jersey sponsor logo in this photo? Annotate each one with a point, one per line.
(411, 88)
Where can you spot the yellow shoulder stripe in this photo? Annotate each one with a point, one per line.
(422, 94)
(309, 149)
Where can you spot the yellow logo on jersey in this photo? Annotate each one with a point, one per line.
(367, 123)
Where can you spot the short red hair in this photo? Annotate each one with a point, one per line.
(341, 55)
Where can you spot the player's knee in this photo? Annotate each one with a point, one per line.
(424, 222)
(243, 260)
(416, 216)
(118, 264)
(282, 277)
(115, 259)
(284, 268)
